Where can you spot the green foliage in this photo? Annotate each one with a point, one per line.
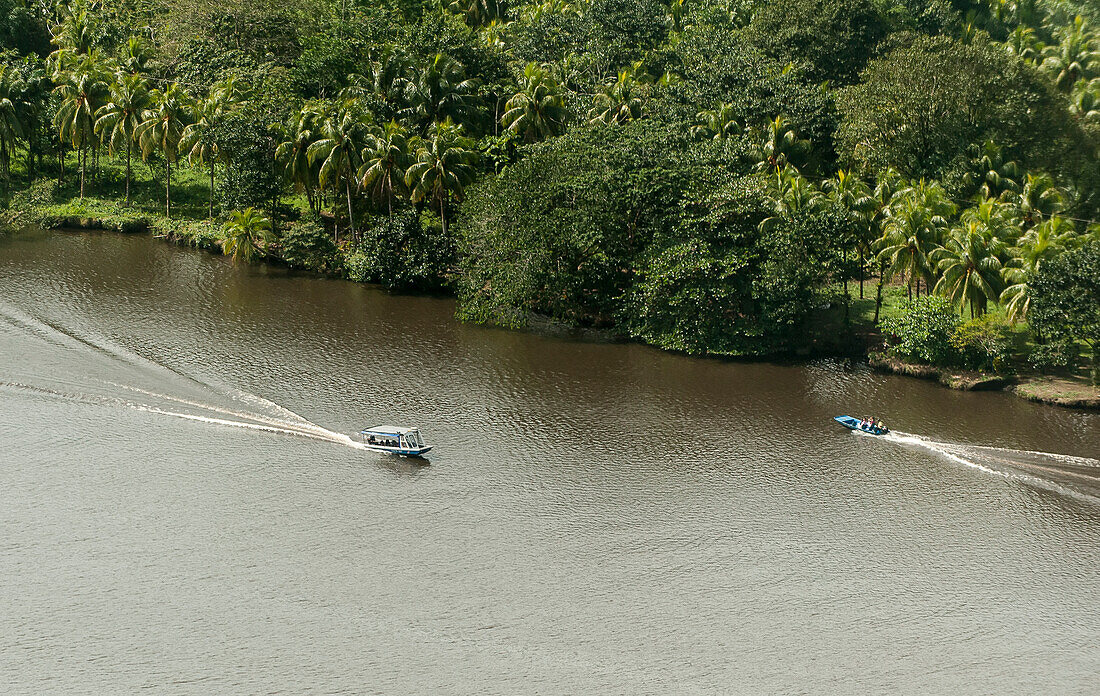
(246, 235)
(921, 106)
(923, 332)
(322, 69)
(558, 233)
(248, 143)
(695, 292)
(833, 37)
(23, 28)
(982, 343)
(622, 31)
(306, 244)
(1065, 300)
(1055, 356)
(402, 252)
(659, 167)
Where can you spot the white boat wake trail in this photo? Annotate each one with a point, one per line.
(1076, 476)
(94, 371)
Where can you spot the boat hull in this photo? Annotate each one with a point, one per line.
(853, 424)
(400, 451)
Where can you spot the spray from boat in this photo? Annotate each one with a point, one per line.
(122, 370)
(1065, 474)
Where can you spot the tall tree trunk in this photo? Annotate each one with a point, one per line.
(845, 271)
(83, 157)
(862, 264)
(443, 215)
(211, 211)
(129, 149)
(351, 218)
(878, 291)
(167, 186)
(335, 203)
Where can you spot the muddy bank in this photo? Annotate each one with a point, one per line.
(1057, 391)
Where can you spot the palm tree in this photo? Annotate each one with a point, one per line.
(996, 175)
(1040, 244)
(914, 223)
(1037, 200)
(537, 110)
(1073, 57)
(246, 234)
(854, 196)
(792, 193)
(718, 123)
(778, 145)
(995, 220)
(478, 12)
(161, 129)
(617, 103)
(1085, 103)
(74, 35)
(444, 167)
(80, 94)
(200, 137)
(887, 186)
(134, 56)
(386, 158)
(11, 128)
(338, 150)
(1023, 44)
(293, 153)
(438, 92)
(117, 121)
(386, 78)
(970, 267)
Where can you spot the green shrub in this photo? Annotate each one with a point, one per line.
(1056, 356)
(923, 331)
(306, 244)
(403, 252)
(982, 343)
(40, 193)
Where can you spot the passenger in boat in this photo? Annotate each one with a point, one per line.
(371, 440)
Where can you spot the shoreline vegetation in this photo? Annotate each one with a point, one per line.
(1062, 390)
(918, 182)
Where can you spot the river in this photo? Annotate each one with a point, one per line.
(182, 513)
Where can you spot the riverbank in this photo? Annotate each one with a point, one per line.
(109, 216)
(1065, 391)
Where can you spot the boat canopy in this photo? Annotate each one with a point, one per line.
(386, 430)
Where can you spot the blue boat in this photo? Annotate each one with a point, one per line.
(857, 424)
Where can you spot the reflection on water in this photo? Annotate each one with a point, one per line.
(184, 512)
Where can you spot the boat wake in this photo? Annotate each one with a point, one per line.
(1076, 476)
(93, 371)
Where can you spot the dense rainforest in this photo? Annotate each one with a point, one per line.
(708, 176)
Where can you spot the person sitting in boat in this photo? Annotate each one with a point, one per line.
(371, 440)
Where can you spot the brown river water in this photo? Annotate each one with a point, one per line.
(182, 512)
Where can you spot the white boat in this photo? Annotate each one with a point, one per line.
(395, 440)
